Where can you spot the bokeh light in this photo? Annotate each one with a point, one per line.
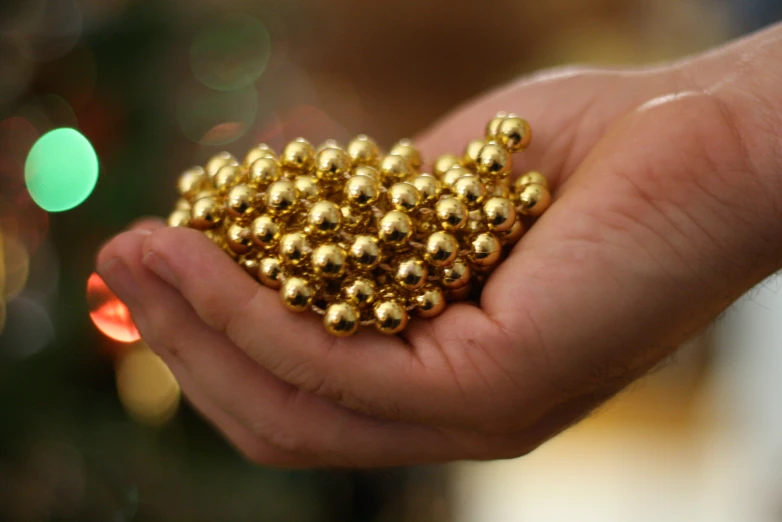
(14, 266)
(109, 314)
(147, 388)
(61, 170)
(230, 54)
(28, 328)
(212, 117)
(51, 28)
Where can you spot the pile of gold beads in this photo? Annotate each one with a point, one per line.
(362, 237)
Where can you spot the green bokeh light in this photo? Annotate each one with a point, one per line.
(61, 170)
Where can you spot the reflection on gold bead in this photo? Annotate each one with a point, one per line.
(457, 274)
(395, 228)
(454, 174)
(534, 199)
(403, 196)
(500, 214)
(365, 252)
(451, 213)
(239, 201)
(328, 144)
(332, 165)
(307, 187)
(206, 213)
(394, 168)
(528, 179)
(430, 301)
(298, 155)
(354, 221)
(239, 239)
(428, 186)
(250, 264)
(361, 191)
(498, 189)
(411, 273)
(191, 181)
(281, 197)
(514, 134)
(179, 218)
(266, 232)
(263, 172)
(227, 177)
(341, 319)
(294, 248)
(359, 291)
(218, 161)
(270, 272)
(390, 317)
(363, 150)
(493, 161)
(493, 126)
(485, 249)
(470, 191)
(513, 234)
(324, 218)
(441, 248)
(260, 151)
(407, 150)
(471, 152)
(365, 170)
(328, 260)
(297, 294)
(444, 163)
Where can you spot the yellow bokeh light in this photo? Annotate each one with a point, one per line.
(147, 388)
(14, 267)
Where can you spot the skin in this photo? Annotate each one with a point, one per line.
(666, 210)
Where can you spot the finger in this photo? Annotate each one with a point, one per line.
(147, 223)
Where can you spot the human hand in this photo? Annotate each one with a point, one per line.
(664, 213)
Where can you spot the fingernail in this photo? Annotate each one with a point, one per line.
(119, 279)
(157, 264)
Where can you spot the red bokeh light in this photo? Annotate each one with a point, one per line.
(109, 314)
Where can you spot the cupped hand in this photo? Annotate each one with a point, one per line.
(657, 225)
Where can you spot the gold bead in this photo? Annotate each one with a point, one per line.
(266, 232)
(528, 179)
(258, 152)
(366, 170)
(298, 155)
(513, 234)
(395, 168)
(444, 163)
(239, 201)
(227, 177)
(390, 317)
(500, 214)
(359, 291)
(454, 174)
(328, 144)
(514, 134)
(498, 189)
(191, 181)
(441, 248)
(206, 193)
(179, 218)
(470, 191)
(395, 228)
(294, 248)
(263, 172)
(363, 150)
(341, 319)
(307, 187)
(471, 152)
(361, 191)
(430, 301)
(475, 225)
(365, 252)
(182, 204)
(459, 294)
(353, 220)
(456, 275)
(324, 218)
(297, 294)
(485, 249)
(206, 213)
(407, 150)
(451, 213)
(281, 197)
(403, 196)
(493, 126)
(428, 186)
(332, 165)
(250, 265)
(411, 273)
(270, 272)
(534, 199)
(328, 261)
(493, 161)
(218, 161)
(239, 239)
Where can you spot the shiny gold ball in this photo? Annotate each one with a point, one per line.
(430, 301)
(451, 213)
(390, 317)
(298, 155)
(324, 218)
(403, 196)
(366, 170)
(361, 191)
(328, 144)
(258, 152)
(441, 248)
(471, 152)
(411, 273)
(353, 220)
(485, 249)
(365, 252)
(263, 172)
(297, 294)
(329, 261)
(407, 150)
(182, 204)
(534, 199)
(239, 239)
(363, 150)
(227, 177)
(444, 163)
(493, 126)
(191, 181)
(239, 201)
(265, 232)
(307, 187)
(395, 228)
(514, 134)
(281, 197)
(359, 291)
(294, 248)
(250, 264)
(500, 214)
(179, 218)
(395, 168)
(528, 179)
(428, 186)
(341, 319)
(457, 274)
(493, 161)
(454, 174)
(218, 161)
(206, 213)
(498, 189)
(513, 234)
(470, 191)
(332, 165)
(270, 272)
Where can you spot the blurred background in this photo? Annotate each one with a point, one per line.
(92, 426)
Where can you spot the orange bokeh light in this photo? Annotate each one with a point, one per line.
(109, 314)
